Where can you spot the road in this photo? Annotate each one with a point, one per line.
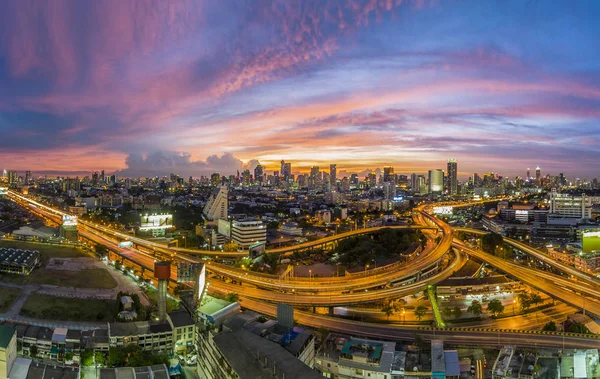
(466, 336)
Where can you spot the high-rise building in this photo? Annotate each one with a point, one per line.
(452, 177)
(333, 175)
(12, 177)
(314, 180)
(247, 233)
(217, 206)
(538, 175)
(528, 174)
(258, 174)
(27, 177)
(102, 178)
(436, 181)
(568, 209)
(215, 179)
(413, 182)
(246, 177)
(388, 174)
(287, 172)
(95, 179)
(389, 191)
(372, 179)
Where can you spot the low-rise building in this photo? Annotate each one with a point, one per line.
(8, 350)
(184, 330)
(458, 287)
(152, 337)
(18, 261)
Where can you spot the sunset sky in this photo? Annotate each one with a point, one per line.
(192, 87)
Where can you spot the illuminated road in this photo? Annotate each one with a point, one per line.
(568, 291)
(466, 336)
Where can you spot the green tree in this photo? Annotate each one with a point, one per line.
(101, 250)
(116, 356)
(475, 308)
(87, 358)
(535, 299)
(68, 356)
(420, 311)
(457, 312)
(578, 327)
(491, 242)
(33, 351)
(388, 310)
(495, 307)
(549, 327)
(232, 297)
(524, 301)
(100, 358)
(447, 312)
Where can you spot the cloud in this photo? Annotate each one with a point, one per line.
(163, 163)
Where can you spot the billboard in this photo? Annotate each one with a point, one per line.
(187, 272)
(443, 210)
(590, 241)
(68, 220)
(149, 222)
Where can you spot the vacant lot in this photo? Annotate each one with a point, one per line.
(87, 278)
(67, 309)
(8, 295)
(153, 297)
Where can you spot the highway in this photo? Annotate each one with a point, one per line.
(554, 285)
(591, 279)
(466, 336)
(337, 299)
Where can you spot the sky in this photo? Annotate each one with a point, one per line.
(144, 88)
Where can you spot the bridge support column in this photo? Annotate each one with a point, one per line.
(314, 309)
(331, 310)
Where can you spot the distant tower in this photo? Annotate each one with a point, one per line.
(162, 272)
(436, 181)
(452, 176)
(538, 175)
(528, 174)
(333, 175)
(388, 174)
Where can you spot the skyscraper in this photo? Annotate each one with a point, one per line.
(27, 177)
(436, 181)
(287, 171)
(333, 175)
(258, 174)
(528, 174)
(388, 174)
(538, 175)
(452, 177)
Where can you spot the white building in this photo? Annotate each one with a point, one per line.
(436, 181)
(216, 207)
(567, 209)
(246, 233)
(290, 229)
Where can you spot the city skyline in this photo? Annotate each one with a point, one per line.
(146, 88)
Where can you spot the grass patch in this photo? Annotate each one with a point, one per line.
(86, 278)
(67, 309)
(8, 295)
(152, 295)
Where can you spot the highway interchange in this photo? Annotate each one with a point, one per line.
(260, 292)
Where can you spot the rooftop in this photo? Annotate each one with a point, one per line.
(6, 334)
(181, 318)
(18, 256)
(241, 347)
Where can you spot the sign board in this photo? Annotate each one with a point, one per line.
(68, 220)
(149, 222)
(443, 210)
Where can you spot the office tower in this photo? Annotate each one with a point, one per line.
(102, 178)
(538, 175)
(354, 179)
(401, 180)
(314, 180)
(333, 175)
(413, 182)
(162, 272)
(27, 177)
(282, 168)
(436, 181)
(372, 178)
(287, 172)
(246, 177)
(452, 177)
(12, 177)
(421, 186)
(528, 174)
(215, 179)
(95, 179)
(561, 179)
(389, 191)
(258, 174)
(217, 206)
(388, 174)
